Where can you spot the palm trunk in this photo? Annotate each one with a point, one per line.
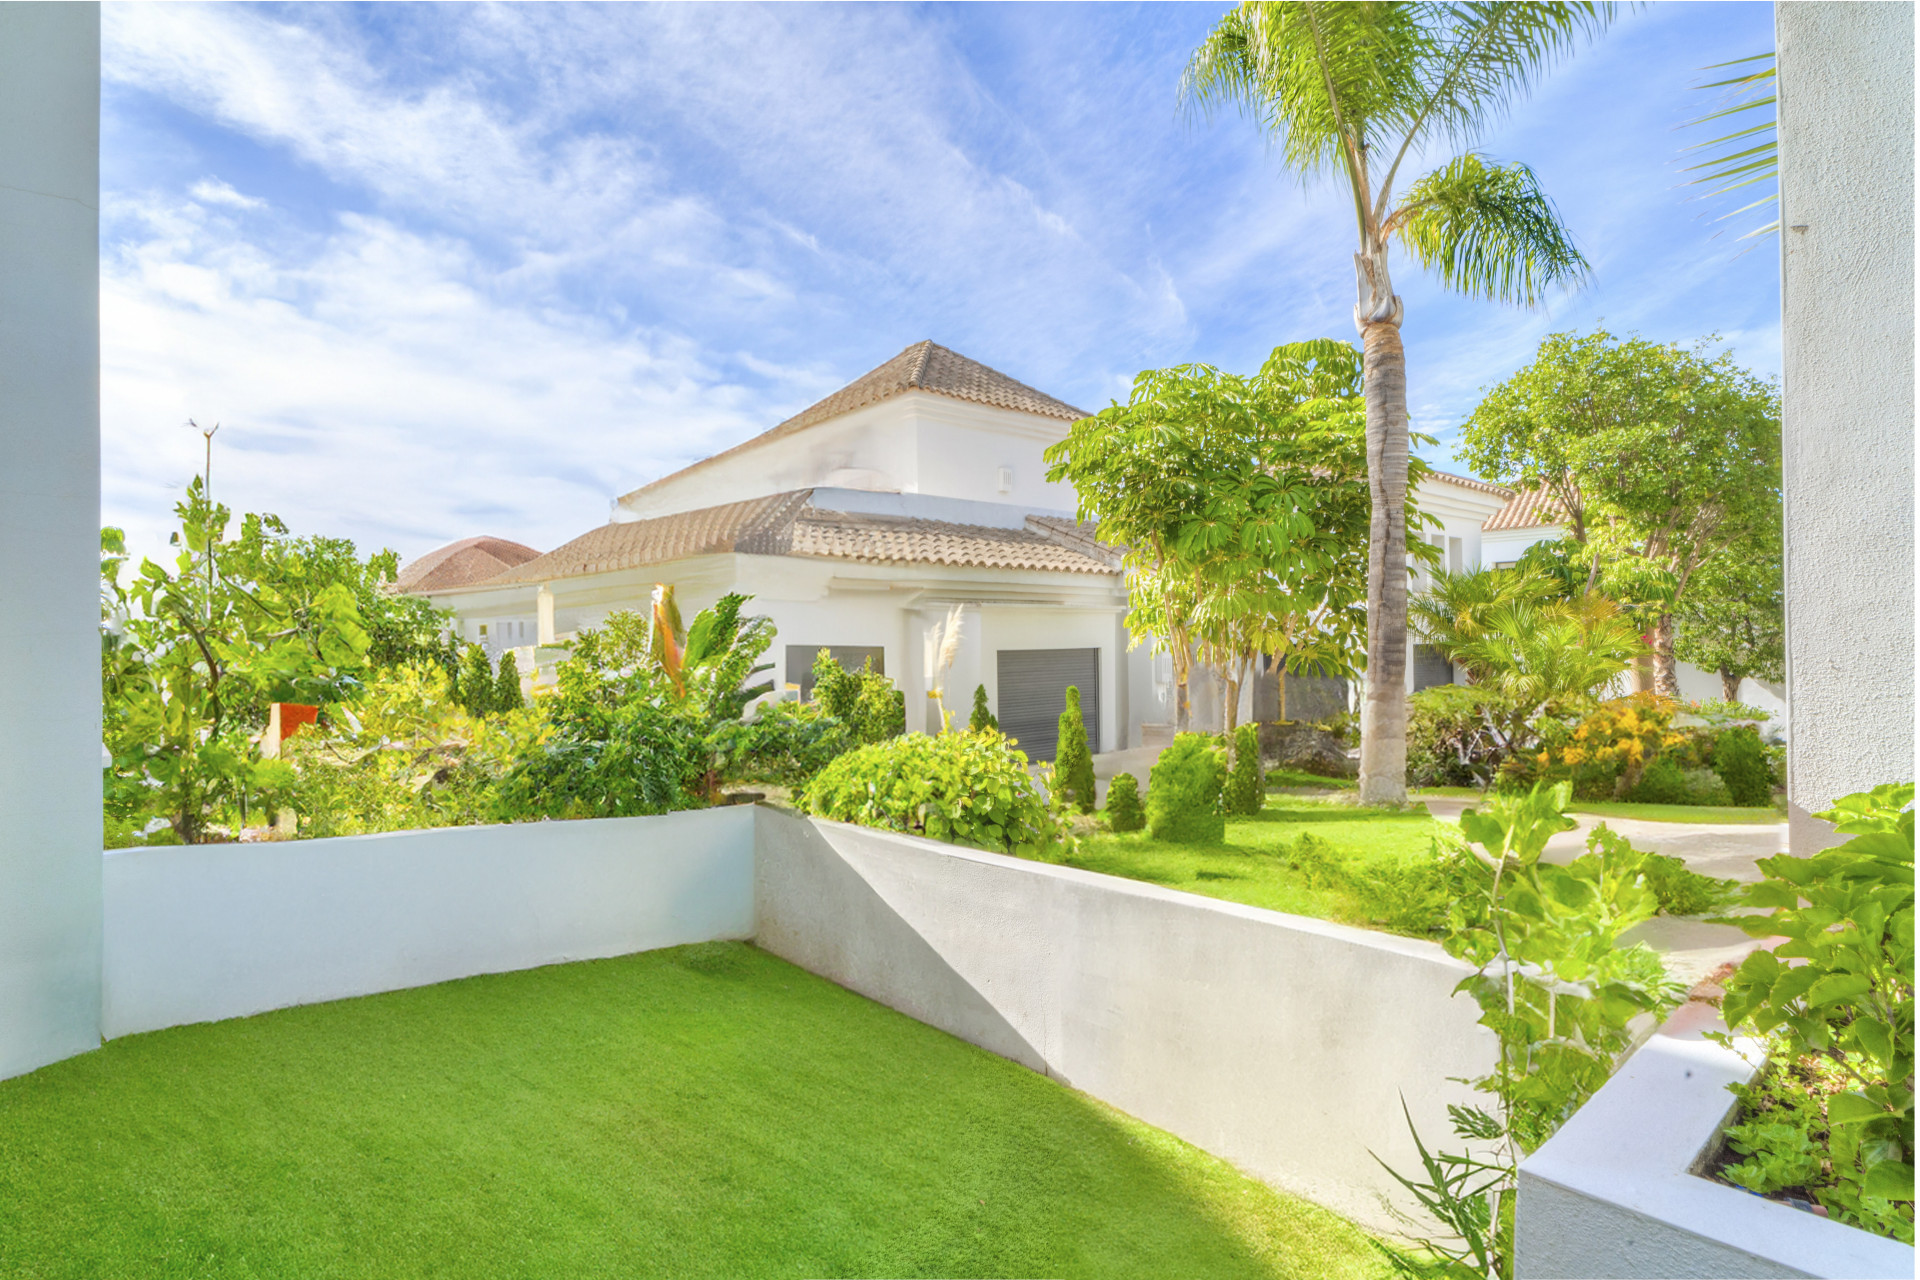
(1666, 671)
(1383, 718)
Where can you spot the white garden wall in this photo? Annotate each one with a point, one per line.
(200, 932)
(1615, 1192)
(1281, 1043)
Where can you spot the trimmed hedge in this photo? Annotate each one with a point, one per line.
(1183, 792)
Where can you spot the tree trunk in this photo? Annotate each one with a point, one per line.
(1230, 706)
(1281, 676)
(1181, 717)
(1643, 670)
(1383, 720)
(1666, 672)
(1729, 685)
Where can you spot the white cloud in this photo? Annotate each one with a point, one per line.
(214, 191)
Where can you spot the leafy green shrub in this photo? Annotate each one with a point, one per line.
(1556, 987)
(1846, 1010)
(1667, 781)
(636, 719)
(1405, 895)
(964, 788)
(1684, 892)
(982, 720)
(1124, 812)
(1073, 762)
(1449, 743)
(1740, 759)
(1183, 792)
(786, 743)
(865, 701)
(1246, 790)
(405, 756)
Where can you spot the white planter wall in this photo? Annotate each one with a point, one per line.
(1280, 1043)
(200, 932)
(1615, 1192)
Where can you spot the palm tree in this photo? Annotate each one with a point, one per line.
(1357, 87)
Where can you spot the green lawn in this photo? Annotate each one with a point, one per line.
(706, 1110)
(1626, 809)
(1248, 869)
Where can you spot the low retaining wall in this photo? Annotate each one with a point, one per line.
(1615, 1192)
(1281, 1043)
(199, 932)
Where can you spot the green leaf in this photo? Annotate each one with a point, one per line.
(1889, 1180)
(1852, 1108)
(1837, 987)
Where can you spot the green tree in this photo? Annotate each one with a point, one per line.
(192, 653)
(1073, 761)
(1355, 89)
(1123, 803)
(1663, 458)
(1240, 509)
(1733, 620)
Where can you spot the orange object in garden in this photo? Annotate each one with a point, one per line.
(291, 715)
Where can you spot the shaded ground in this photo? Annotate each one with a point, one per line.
(700, 1111)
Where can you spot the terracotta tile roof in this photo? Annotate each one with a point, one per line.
(1472, 482)
(839, 535)
(756, 526)
(924, 366)
(462, 563)
(1530, 509)
(787, 524)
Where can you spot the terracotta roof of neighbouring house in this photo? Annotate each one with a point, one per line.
(787, 524)
(1529, 509)
(462, 563)
(1472, 482)
(924, 366)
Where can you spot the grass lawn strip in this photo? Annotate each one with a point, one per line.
(1249, 867)
(1630, 809)
(701, 1111)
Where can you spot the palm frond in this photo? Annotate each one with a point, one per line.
(1745, 156)
(1484, 58)
(1488, 230)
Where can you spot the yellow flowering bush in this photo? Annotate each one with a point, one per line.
(1604, 751)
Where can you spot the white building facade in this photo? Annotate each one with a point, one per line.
(859, 524)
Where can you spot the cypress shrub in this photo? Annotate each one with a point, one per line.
(1740, 759)
(1072, 762)
(506, 686)
(1123, 804)
(1246, 786)
(982, 720)
(1183, 792)
(475, 691)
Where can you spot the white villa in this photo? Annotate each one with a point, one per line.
(857, 524)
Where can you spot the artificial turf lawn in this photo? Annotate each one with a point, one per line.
(1248, 868)
(704, 1110)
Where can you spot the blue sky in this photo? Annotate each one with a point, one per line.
(442, 270)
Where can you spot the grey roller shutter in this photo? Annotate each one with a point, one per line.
(1033, 693)
(1430, 668)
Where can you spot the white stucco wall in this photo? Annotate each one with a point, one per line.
(916, 442)
(49, 512)
(1280, 1043)
(1847, 343)
(201, 932)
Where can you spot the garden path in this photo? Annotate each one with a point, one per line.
(1730, 851)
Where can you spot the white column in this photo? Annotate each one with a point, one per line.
(49, 532)
(1846, 204)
